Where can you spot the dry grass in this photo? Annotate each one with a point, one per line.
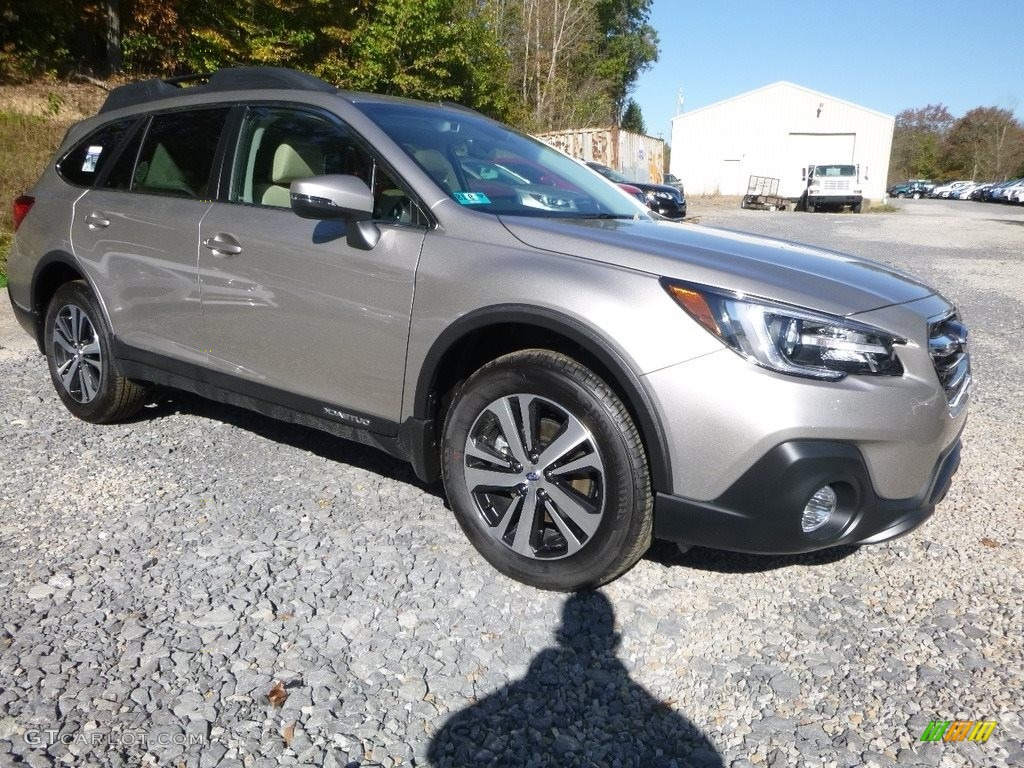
(33, 120)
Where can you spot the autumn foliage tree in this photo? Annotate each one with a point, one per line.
(539, 63)
(985, 144)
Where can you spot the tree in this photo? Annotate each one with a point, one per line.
(428, 49)
(986, 144)
(916, 140)
(628, 46)
(633, 119)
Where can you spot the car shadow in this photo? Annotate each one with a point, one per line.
(166, 402)
(576, 706)
(720, 561)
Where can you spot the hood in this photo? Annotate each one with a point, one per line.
(758, 266)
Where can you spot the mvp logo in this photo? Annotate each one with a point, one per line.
(958, 730)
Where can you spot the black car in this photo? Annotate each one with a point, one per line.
(660, 198)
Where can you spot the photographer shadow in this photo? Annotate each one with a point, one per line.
(576, 706)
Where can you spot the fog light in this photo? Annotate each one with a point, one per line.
(819, 509)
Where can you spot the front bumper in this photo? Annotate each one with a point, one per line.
(760, 513)
(834, 199)
(669, 210)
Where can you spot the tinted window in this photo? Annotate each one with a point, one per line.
(279, 146)
(120, 175)
(83, 164)
(178, 152)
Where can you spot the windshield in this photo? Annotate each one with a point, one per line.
(835, 170)
(489, 167)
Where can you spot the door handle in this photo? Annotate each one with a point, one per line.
(97, 221)
(223, 244)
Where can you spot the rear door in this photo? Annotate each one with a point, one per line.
(288, 306)
(137, 231)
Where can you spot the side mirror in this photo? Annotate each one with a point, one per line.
(332, 197)
(803, 174)
(338, 197)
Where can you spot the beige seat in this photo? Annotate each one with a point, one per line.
(164, 175)
(437, 165)
(292, 160)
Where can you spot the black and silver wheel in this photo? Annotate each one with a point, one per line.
(546, 472)
(78, 351)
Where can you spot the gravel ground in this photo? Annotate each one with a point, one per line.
(161, 579)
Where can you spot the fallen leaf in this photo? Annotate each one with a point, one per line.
(278, 695)
(284, 616)
(288, 733)
(990, 543)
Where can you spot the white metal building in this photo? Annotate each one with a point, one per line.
(777, 131)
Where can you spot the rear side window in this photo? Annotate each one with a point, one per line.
(83, 164)
(178, 152)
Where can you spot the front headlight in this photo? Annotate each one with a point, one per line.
(789, 339)
(660, 195)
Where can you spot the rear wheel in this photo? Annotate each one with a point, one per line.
(856, 208)
(546, 472)
(78, 351)
(811, 207)
(917, 195)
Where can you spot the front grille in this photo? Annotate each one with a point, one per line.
(947, 344)
(835, 185)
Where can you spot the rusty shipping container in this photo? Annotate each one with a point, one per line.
(637, 157)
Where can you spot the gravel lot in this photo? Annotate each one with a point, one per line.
(159, 576)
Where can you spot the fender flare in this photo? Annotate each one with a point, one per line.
(626, 379)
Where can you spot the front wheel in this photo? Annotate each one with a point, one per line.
(546, 472)
(78, 351)
(917, 195)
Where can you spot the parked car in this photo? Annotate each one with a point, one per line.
(963, 193)
(582, 375)
(944, 190)
(993, 193)
(660, 198)
(912, 189)
(1011, 193)
(674, 181)
(978, 193)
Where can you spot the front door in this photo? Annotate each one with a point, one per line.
(288, 305)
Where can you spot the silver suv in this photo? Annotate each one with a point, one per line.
(583, 375)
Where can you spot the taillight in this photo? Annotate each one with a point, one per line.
(22, 206)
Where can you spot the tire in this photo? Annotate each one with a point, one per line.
(917, 195)
(78, 351)
(856, 208)
(901, 195)
(582, 470)
(811, 207)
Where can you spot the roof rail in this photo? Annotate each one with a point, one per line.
(232, 79)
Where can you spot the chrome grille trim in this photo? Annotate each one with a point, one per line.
(947, 345)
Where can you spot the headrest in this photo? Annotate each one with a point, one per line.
(296, 160)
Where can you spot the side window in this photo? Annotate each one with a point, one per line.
(120, 176)
(278, 146)
(83, 164)
(178, 152)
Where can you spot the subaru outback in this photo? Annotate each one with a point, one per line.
(583, 375)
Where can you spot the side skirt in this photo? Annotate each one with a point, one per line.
(411, 440)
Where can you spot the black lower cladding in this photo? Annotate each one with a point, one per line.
(26, 318)
(761, 512)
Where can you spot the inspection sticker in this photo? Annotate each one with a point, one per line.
(471, 198)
